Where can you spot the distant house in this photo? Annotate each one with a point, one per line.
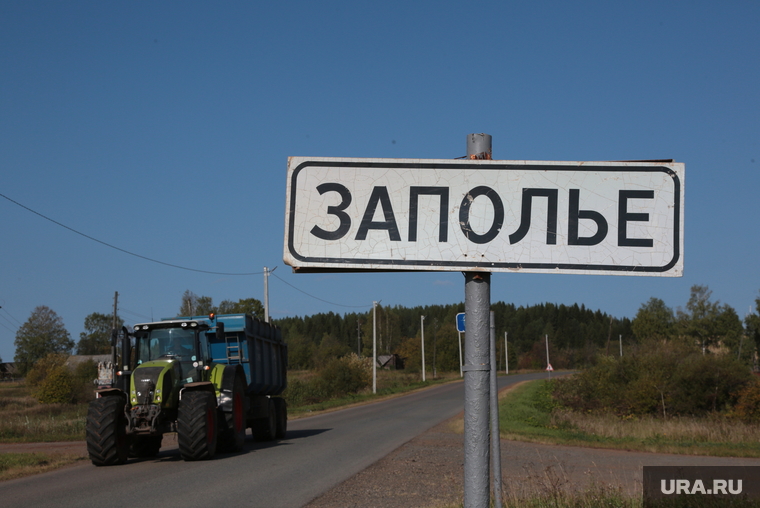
(391, 362)
(74, 360)
(8, 371)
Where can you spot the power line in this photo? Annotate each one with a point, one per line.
(119, 248)
(6, 327)
(317, 298)
(168, 264)
(11, 316)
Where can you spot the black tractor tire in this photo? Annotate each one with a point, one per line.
(197, 425)
(106, 431)
(265, 429)
(146, 446)
(281, 412)
(232, 433)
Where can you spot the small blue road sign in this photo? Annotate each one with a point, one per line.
(460, 322)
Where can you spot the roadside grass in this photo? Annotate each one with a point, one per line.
(528, 413)
(18, 465)
(389, 383)
(594, 497)
(24, 420)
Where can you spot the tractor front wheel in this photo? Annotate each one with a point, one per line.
(106, 429)
(197, 425)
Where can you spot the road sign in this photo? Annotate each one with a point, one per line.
(615, 218)
(460, 322)
(549, 368)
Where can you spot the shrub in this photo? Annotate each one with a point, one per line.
(57, 387)
(747, 406)
(663, 379)
(43, 367)
(338, 378)
(343, 376)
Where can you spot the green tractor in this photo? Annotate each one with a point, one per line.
(205, 378)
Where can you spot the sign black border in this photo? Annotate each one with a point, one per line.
(415, 264)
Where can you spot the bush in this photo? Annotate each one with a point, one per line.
(43, 367)
(662, 379)
(52, 382)
(747, 406)
(338, 378)
(343, 376)
(57, 387)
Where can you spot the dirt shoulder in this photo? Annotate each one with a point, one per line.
(428, 471)
(64, 447)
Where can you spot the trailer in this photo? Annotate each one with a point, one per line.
(207, 378)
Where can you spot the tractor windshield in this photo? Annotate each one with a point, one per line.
(168, 343)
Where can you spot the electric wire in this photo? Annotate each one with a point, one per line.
(171, 264)
(317, 298)
(10, 316)
(119, 248)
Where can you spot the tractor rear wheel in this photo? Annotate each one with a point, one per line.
(106, 429)
(197, 425)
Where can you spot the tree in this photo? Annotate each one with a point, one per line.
(708, 323)
(96, 337)
(243, 306)
(752, 322)
(188, 304)
(654, 320)
(43, 333)
(194, 305)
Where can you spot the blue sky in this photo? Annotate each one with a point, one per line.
(164, 129)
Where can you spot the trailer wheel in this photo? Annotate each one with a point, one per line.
(232, 435)
(106, 429)
(281, 410)
(265, 429)
(197, 425)
(146, 446)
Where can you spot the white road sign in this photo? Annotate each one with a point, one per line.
(614, 218)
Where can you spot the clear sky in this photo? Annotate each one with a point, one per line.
(164, 128)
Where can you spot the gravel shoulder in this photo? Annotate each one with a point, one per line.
(428, 471)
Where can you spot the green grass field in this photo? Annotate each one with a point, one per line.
(528, 413)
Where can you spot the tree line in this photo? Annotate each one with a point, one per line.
(576, 334)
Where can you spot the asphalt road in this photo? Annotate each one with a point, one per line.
(318, 453)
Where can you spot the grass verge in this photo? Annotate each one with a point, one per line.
(389, 384)
(528, 413)
(24, 420)
(18, 465)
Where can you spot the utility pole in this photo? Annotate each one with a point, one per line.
(422, 333)
(358, 338)
(115, 307)
(374, 347)
(266, 292)
(435, 343)
(506, 351)
(114, 333)
(477, 297)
